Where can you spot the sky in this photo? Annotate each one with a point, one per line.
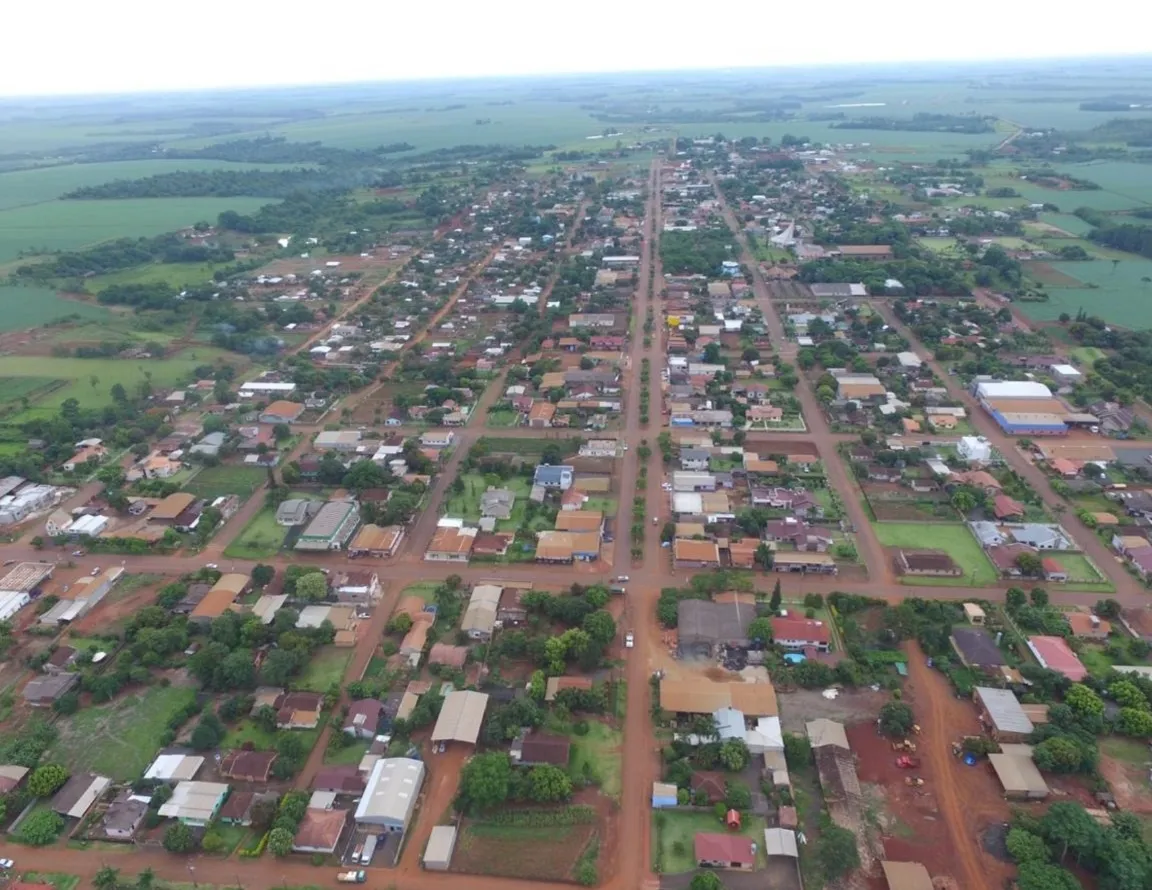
(82, 47)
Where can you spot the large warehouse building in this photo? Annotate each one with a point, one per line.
(1026, 408)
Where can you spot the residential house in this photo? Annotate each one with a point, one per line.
(726, 851)
(557, 478)
(363, 718)
(800, 633)
(282, 411)
(497, 503)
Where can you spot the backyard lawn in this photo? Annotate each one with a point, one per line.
(597, 754)
(953, 538)
(502, 417)
(426, 590)
(348, 755)
(261, 537)
(325, 669)
(673, 834)
(1079, 568)
(121, 738)
(466, 504)
(249, 732)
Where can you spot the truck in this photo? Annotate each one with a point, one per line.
(351, 877)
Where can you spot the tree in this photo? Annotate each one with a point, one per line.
(41, 828)
(837, 853)
(400, 623)
(963, 502)
(733, 755)
(1042, 876)
(777, 596)
(764, 556)
(706, 880)
(1015, 599)
(1134, 722)
(1128, 695)
(760, 629)
(1029, 564)
(281, 431)
(47, 780)
(896, 718)
(208, 732)
(737, 796)
(108, 878)
(146, 880)
(1084, 701)
(549, 784)
(280, 841)
(484, 781)
(1039, 595)
(1058, 754)
(262, 575)
(1024, 846)
(178, 838)
(312, 587)
(600, 626)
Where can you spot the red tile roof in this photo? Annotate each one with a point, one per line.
(807, 629)
(724, 848)
(1054, 654)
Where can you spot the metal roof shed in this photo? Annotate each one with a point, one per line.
(1004, 711)
(780, 842)
(906, 876)
(441, 844)
(1018, 773)
(460, 717)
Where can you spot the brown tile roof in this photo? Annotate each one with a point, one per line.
(173, 505)
(247, 766)
(542, 747)
(579, 520)
(320, 829)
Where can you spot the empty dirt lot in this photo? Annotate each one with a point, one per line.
(797, 708)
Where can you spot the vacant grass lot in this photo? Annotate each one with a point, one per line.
(466, 505)
(121, 738)
(213, 482)
(325, 669)
(597, 755)
(953, 538)
(673, 833)
(261, 537)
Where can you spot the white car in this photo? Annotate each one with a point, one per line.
(211, 565)
(7, 863)
(621, 578)
(629, 640)
(96, 571)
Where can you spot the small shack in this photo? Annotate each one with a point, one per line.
(441, 844)
(1001, 714)
(906, 876)
(974, 613)
(663, 795)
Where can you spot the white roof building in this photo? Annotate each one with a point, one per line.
(1012, 389)
(975, 448)
(174, 768)
(390, 796)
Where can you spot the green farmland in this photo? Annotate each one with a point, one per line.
(30, 307)
(1114, 291)
(67, 225)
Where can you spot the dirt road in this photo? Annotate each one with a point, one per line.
(867, 546)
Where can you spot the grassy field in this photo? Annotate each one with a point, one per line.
(673, 833)
(57, 879)
(1125, 750)
(598, 754)
(530, 851)
(67, 225)
(261, 537)
(248, 732)
(348, 755)
(1113, 291)
(955, 539)
(502, 417)
(30, 307)
(107, 371)
(1087, 355)
(175, 274)
(213, 482)
(325, 669)
(1078, 568)
(426, 590)
(121, 738)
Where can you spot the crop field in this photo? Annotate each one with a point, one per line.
(67, 225)
(29, 307)
(214, 482)
(106, 372)
(953, 538)
(530, 847)
(119, 739)
(1130, 181)
(1114, 291)
(1073, 225)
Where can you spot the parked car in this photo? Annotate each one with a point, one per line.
(95, 571)
(621, 577)
(629, 640)
(7, 864)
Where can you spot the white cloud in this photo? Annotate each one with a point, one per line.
(77, 46)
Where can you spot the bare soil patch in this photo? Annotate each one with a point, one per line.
(803, 705)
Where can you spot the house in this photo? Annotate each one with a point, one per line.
(664, 794)
(376, 541)
(450, 544)
(295, 511)
(123, 817)
(247, 766)
(511, 610)
(298, 710)
(1004, 507)
(41, 692)
(359, 587)
(480, 615)
(1052, 570)
(319, 831)
(174, 766)
(816, 563)
(452, 656)
(79, 794)
(935, 563)
(220, 596)
(557, 478)
(541, 414)
(800, 633)
(11, 776)
(1017, 772)
(344, 779)
(179, 510)
(84, 453)
(727, 851)
(694, 459)
(705, 626)
(282, 411)
(497, 503)
(537, 748)
(976, 648)
(695, 554)
(1054, 654)
(437, 439)
(1087, 626)
(62, 658)
(363, 718)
